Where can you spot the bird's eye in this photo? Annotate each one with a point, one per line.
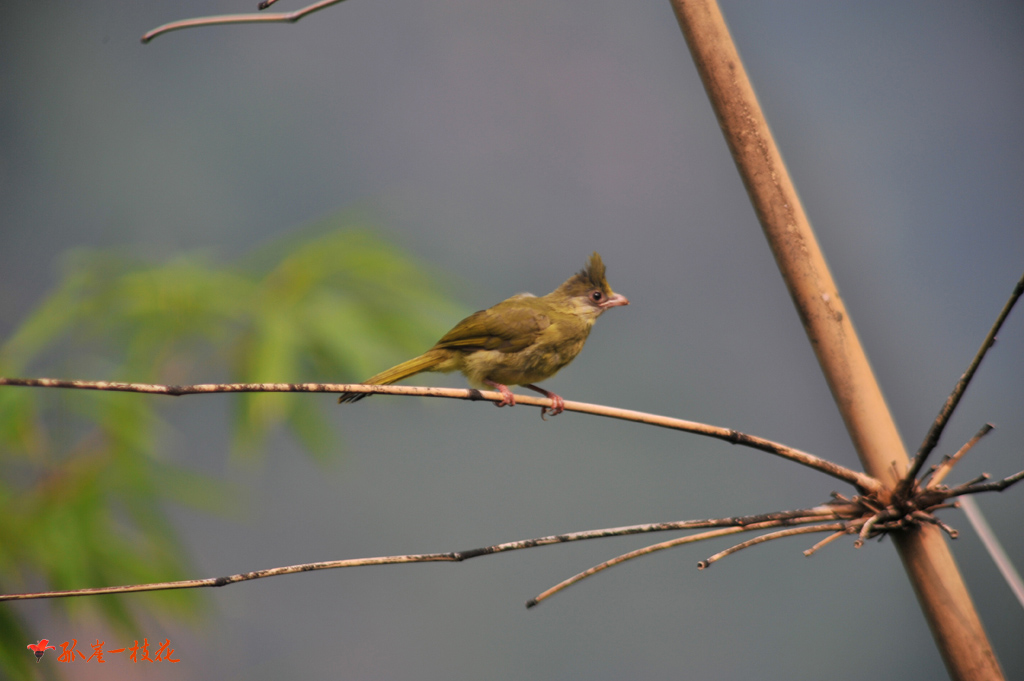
(596, 296)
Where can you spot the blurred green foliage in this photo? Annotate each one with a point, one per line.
(83, 481)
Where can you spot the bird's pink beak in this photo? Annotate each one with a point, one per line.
(614, 300)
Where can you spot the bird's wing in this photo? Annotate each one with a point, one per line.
(509, 326)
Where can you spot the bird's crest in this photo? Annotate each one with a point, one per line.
(589, 278)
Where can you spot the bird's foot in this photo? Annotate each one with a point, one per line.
(507, 398)
(557, 403)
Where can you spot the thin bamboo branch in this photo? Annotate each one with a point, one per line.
(923, 517)
(940, 590)
(733, 524)
(850, 513)
(935, 432)
(828, 527)
(860, 513)
(863, 482)
(943, 469)
(234, 579)
(865, 530)
(975, 486)
(826, 541)
(265, 17)
(645, 551)
(661, 546)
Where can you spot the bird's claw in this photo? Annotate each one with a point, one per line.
(557, 403)
(507, 398)
(556, 408)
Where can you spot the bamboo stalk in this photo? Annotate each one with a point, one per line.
(940, 590)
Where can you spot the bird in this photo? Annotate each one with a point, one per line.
(520, 341)
(40, 648)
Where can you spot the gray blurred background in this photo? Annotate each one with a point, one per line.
(502, 142)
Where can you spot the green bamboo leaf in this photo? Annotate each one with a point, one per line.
(85, 471)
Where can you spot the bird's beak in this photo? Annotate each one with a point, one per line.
(614, 300)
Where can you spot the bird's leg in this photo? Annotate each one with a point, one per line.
(558, 404)
(507, 398)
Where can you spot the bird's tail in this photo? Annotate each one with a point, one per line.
(425, 362)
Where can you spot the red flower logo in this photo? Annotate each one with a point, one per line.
(40, 648)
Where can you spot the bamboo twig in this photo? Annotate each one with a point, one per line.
(829, 527)
(944, 468)
(963, 488)
(733, 524)
(234, 579)
(935, 432)
(865, 530)
(647, 550)
(265, 17)
(618, 560)
(863, 482)
(826, 541)
(976, 485)
(924, 517)
(852, 514)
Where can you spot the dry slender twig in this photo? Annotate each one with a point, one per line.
(944, 468)
(929, 518)
(647, 550)
(734, 524)
(975, 486)
(935, 432)
(266, 17)
(233, 579)
(865, 530)
(828, 527)
(853, 514)
(871, 520)
(864, 483)
(826, 541)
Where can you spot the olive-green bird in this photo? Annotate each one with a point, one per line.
(519, 341)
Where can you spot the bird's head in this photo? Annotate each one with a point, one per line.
(587, 292)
